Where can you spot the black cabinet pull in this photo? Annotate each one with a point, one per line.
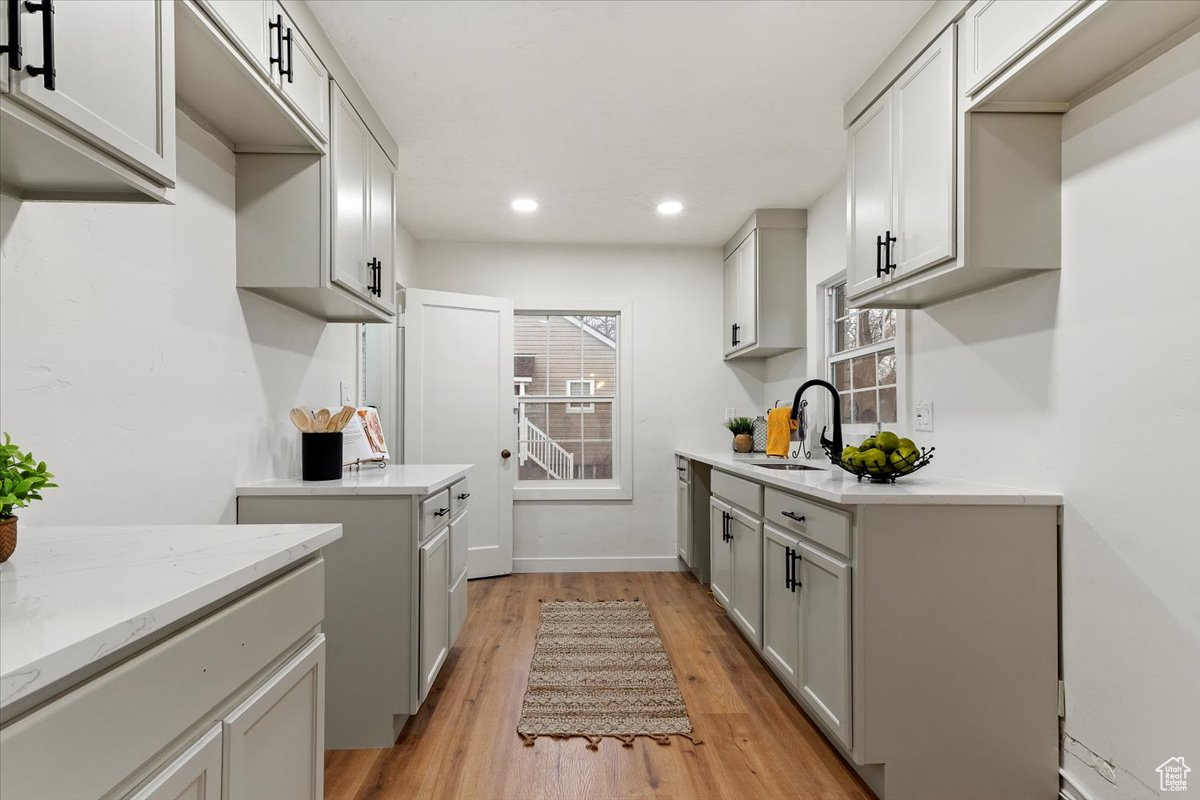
(286, 72)
(276, 25)
(889, 240)
(787, 567)
(793, 515)
(735, 340)
(878, 257)
(46, 70)
(464, 495)
(441, 512)
(790, 579)
(13, 45)
(375, 281)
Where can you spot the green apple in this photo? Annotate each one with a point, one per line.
(867, 444)
(848, 454)
(903, 459)
(876, 461)
(909, 443)
(887, 441)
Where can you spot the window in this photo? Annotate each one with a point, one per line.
(567, 449)
(861, 359)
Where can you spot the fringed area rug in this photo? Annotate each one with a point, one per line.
(599, 669)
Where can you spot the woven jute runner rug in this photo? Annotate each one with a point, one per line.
(599, 669)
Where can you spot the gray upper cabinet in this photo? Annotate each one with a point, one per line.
(65, 134)
(245, 21)
(302, 78)
(764, 308)
(1003, 30)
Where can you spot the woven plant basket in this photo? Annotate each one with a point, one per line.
(8, 537)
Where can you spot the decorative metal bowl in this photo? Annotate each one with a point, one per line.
(887, 474)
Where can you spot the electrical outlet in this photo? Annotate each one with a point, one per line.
(924, 413)
(346, 393)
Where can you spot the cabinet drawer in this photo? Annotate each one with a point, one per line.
(460, 497)
(825, 526)
(738, 491)
(435, 513)
(117, 722)
(683, 468)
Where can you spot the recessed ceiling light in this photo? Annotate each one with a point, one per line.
(524, 204)
(670, 207)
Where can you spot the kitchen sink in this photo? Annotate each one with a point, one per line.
(789, 467)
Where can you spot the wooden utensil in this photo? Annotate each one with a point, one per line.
(322, 421)
(302, 419)
(343, 417)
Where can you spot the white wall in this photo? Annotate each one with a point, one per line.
(681, 386)
(134, 368)
(1085, 382)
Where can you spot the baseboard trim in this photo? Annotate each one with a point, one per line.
(598, 564)
(1068, 789)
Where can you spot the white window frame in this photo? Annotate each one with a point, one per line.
(581, 408)
(852, 433)
(620, 486)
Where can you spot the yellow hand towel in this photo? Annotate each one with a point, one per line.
(779, 431)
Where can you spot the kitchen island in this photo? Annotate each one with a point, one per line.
(396, 585)
(150, 659)
(916, 623)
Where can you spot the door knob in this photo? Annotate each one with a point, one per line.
(505, 454)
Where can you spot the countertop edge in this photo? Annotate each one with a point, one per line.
(77, 657)
(1008, 496)
(297, 487)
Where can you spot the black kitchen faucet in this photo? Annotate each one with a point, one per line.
(834, 447)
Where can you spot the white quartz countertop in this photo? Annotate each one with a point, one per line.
(70, 596)
(416, 479)
(834, 485)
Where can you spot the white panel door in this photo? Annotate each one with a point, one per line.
(194, 775)
(435, 608)
(348, 167)
(747, 291)
(114, 75)
(825, 637)
(246, 22)
(306, 81)
(720, 559)
(459, 406)
(868, 195)
(781, 604)
(275, 740)
(730, 308)
(924, 104)
(746, 547)
(381, 226)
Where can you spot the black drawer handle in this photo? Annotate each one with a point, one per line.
(13, 45)
(790, 580)
(46, 70)
(441, 512)
(793, 515)
(736, 341)
(288, 71)
(464, 495)
(277, 26)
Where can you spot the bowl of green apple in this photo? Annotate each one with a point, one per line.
(882, 458)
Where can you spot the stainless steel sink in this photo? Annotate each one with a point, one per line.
(789, 467)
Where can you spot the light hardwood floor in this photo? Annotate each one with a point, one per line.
(463, 743)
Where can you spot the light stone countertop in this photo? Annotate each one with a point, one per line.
(70, 596)
(412, 479)
(834, 485)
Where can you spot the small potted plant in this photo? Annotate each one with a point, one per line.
(21, 482)
(743, 433)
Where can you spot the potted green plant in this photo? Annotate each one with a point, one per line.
(21, 482)
(743, 433)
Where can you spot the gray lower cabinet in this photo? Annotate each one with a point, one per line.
(721, 558)
(435, 607)
(682, 520)
(781, 604)
(194, 775)
(230, 707)
(746, 570)
(823, 586)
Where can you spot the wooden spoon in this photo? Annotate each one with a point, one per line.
(323, 421)
(343, 418)
(302, 419)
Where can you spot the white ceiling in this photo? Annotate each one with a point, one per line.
(602, 109)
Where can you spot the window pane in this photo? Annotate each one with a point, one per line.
(598, 424)
(847, 409)
(564, 422)
(839, 301)
(865, 406)
(870, 327)
(841, 375)
(864, 371)
(530, 355)
(887, 405)
(597, 461)
(887, 367)
(847, 334)
(889, 324)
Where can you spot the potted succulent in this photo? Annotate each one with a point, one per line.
(743, 433)
(21, 482)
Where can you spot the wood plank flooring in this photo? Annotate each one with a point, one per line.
(463, 743)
